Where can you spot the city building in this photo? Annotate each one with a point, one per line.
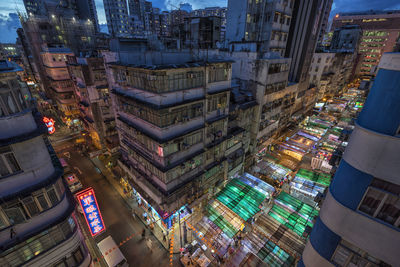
(59, 27)
(177, 22)
(80, 10)
(117, 18)
(87, 11)
(59, 85)
(359, 218)
(380, 31)
(213, 12)
(27, 58)
(330, 71)
(308, 17)
(93, 98)
(173, 131)
(265, 22)
(165, 23)
(257, 44)
(38, 226)
(202, 32)
(8, 50)
(325, 27)
(346, 37)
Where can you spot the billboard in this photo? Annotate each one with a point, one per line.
(90, 208)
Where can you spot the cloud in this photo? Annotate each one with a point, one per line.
(8, 27)
(362, 5)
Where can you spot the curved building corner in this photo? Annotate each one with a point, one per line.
(37, 221)
(359, 222)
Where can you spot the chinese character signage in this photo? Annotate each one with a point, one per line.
(50, 124)
(90, 208)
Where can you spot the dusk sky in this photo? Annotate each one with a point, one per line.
(9, 21)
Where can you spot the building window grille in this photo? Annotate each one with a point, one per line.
(346, 255)
(34, 246)
(8, 163)
(382, 201)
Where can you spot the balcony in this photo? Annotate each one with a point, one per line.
(38, 223)
(17, 124)
(161, 135)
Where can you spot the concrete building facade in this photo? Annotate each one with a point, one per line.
(94, 101)
(58, 82)
(37, 221)
(380, 31)
(117, 18)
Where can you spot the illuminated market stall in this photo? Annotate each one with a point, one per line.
(306, 185)
(293, 213)
(271, 170)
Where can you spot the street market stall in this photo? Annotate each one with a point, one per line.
(274, 171)
(293, 213)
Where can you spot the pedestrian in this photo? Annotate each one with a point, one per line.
(164, 238)
(143, 233)
(149, 244)
(133, 215)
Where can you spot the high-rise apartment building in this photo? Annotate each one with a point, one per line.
(173, 131)
(302, 40)
(94, 101)
(265, 22)
(324, 22)
(58, 82)
(80, 9)
(360, 217)
(213, 12)
(38, 226)
(380, 31)
(202, 32)
(117, 18)
(345, 38)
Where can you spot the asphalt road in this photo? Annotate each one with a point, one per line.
(116, 214)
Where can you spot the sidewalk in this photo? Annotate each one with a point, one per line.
(133, 206)
(97, 260)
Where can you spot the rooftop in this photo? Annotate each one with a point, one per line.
(174, 66)
(9, 66)
(369, 12)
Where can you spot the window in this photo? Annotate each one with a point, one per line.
(216, 74)
(42, 201)
(78, 255)
(52, 196)
(347, 254)
(31, 206)
(382, 201)
(14, 211)
(276, 17)
(34, 246)
(8, 163)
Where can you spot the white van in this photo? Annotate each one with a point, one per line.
(111, 253)
(73, 182)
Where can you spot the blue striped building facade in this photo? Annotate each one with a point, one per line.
(359, 222)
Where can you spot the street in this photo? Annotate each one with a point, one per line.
(116, 214)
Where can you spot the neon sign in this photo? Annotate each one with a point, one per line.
(87, 201)
(50, 125)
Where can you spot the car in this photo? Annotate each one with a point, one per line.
(111, 253)
(73, 182)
